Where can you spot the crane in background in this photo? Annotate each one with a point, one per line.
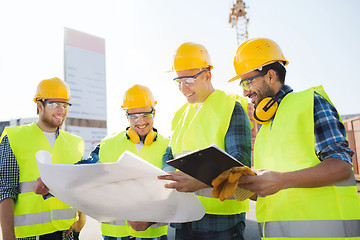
(239, 20)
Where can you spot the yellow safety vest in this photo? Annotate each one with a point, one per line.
(330, 212)
(110, 150)
(34, 216)
(197, 130)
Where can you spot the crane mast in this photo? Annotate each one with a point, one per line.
(239, 20)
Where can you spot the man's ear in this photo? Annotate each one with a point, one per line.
(208, 76)
(154, 113)
(272, 76)
(40, 106)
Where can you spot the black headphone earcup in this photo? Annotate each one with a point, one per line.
(265, 110)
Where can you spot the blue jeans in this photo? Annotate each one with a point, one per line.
(234, 233)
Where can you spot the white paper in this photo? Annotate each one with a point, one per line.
(124, 190)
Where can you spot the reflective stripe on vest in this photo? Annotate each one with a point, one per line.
(115, 228)
(32, 219)
(110, 150)
(310, 229)
(158, 225)
(347, 182)
(44, 217)
(25, 187)
(123, 223)
(118, 222)
(288, 145)
(206, 192)
(61, 214)
(197, 130)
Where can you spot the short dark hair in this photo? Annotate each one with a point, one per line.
(43, 103)
(278, 68)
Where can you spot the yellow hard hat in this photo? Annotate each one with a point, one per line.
(190, 56)
(138, 96)
(254, 54)
(52, 88)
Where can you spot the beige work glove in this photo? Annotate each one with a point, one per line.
(225, 185)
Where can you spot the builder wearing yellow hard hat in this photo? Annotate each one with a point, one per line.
(305, 185)
(140, 138)
(209, 117)
(24, 214)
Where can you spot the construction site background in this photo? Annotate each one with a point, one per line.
(352, 127)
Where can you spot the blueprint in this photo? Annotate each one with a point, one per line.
(124, 190)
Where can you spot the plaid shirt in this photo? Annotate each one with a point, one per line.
(237, 144)
(9, 177)
(330, 133)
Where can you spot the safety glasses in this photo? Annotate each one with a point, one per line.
(246, 83)
(187, 80)
(57, 105)
(143, 115)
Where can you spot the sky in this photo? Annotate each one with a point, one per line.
(320, 39)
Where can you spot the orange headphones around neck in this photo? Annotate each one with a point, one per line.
(267, 107)
(132, 135)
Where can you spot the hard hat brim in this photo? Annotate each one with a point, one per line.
(70, 99)
(235, 78)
